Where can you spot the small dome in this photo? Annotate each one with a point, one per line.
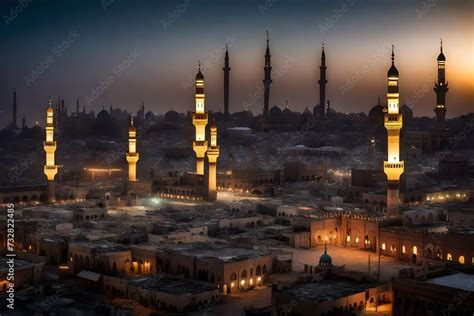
(199, 75)
(103, 114)
(325, 259)
(393, 71)
(441, 57)
(275, 110)
(50, 110)
(376, 114)
(172, 116)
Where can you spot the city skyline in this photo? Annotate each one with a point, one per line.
(158, 67)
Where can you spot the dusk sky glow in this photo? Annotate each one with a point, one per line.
(158, 53)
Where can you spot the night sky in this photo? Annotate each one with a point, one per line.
(149, 50)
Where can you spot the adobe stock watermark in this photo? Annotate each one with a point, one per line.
(267, 5)
(106, 3)
(56, 52)
(336, 15)
(284, 67)
(214, 57)
(425, 8)
(117, 72)
(174, 15)
(359, 73)
(16, 11)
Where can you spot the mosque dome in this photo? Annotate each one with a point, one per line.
(172, 116)
(275, 110)
(376, 113)
(325, 259)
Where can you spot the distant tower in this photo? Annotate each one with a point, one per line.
(441, 87)
(226, 82)
(267, 81)
(58, 113)
(393, 122)
(50, 169)
(322, 83)
(23, 122)
(77, 106)
(14, 110)
(212, 155)
(372, 148)
(132, 155)
(200, 121)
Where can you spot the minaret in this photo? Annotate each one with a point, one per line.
(23, 123)
(212, 155)
(441, 87)
(267, 81)
(132, 155)
(226, 82)
(322, 83)
(14, 110)
(77, 106)
(393, 122)
(200, 120)
(50, 169)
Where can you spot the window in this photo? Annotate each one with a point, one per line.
(461, 260)
(383, 246)
(403, 249)
(415, 250)
(449, 257)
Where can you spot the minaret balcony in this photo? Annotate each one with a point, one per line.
(132, 157)
(200, 118)
(393, 170)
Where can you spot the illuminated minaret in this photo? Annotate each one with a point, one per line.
(50, 169)
(322, 83)
(132, 155)
(212, 155)
(393, 122)
(441, 87)
(200, 120)
(226, 82)
(267, 81)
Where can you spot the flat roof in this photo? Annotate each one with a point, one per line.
(174, 285)
(325, 290)
(221, 253)
(460, 281)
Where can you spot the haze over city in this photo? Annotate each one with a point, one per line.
(170, 37)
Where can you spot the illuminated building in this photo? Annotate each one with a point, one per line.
(212, 155)
(226, 82)
(268, 80)
(200, 120)
(50, 169)
(132, 155)
(441, 87)
(393, 167)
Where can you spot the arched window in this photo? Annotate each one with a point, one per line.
(449, 257)
(461, 260)
(415, 250)
(233, 276)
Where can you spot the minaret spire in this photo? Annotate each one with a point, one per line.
(132, 155)
(226, 81)
(441, 88)
(50, 169)
(200, 120)
(212, 155)
(267, 79)
(322, 83)
(393, 121)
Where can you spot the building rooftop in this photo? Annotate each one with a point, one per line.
(173, 285)
(325, 290)
(212, 251)
(461, 281)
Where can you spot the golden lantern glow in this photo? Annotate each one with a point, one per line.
(212, 155)
(50, 169)
(132, 154)
(393, 122)
(200, 120)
